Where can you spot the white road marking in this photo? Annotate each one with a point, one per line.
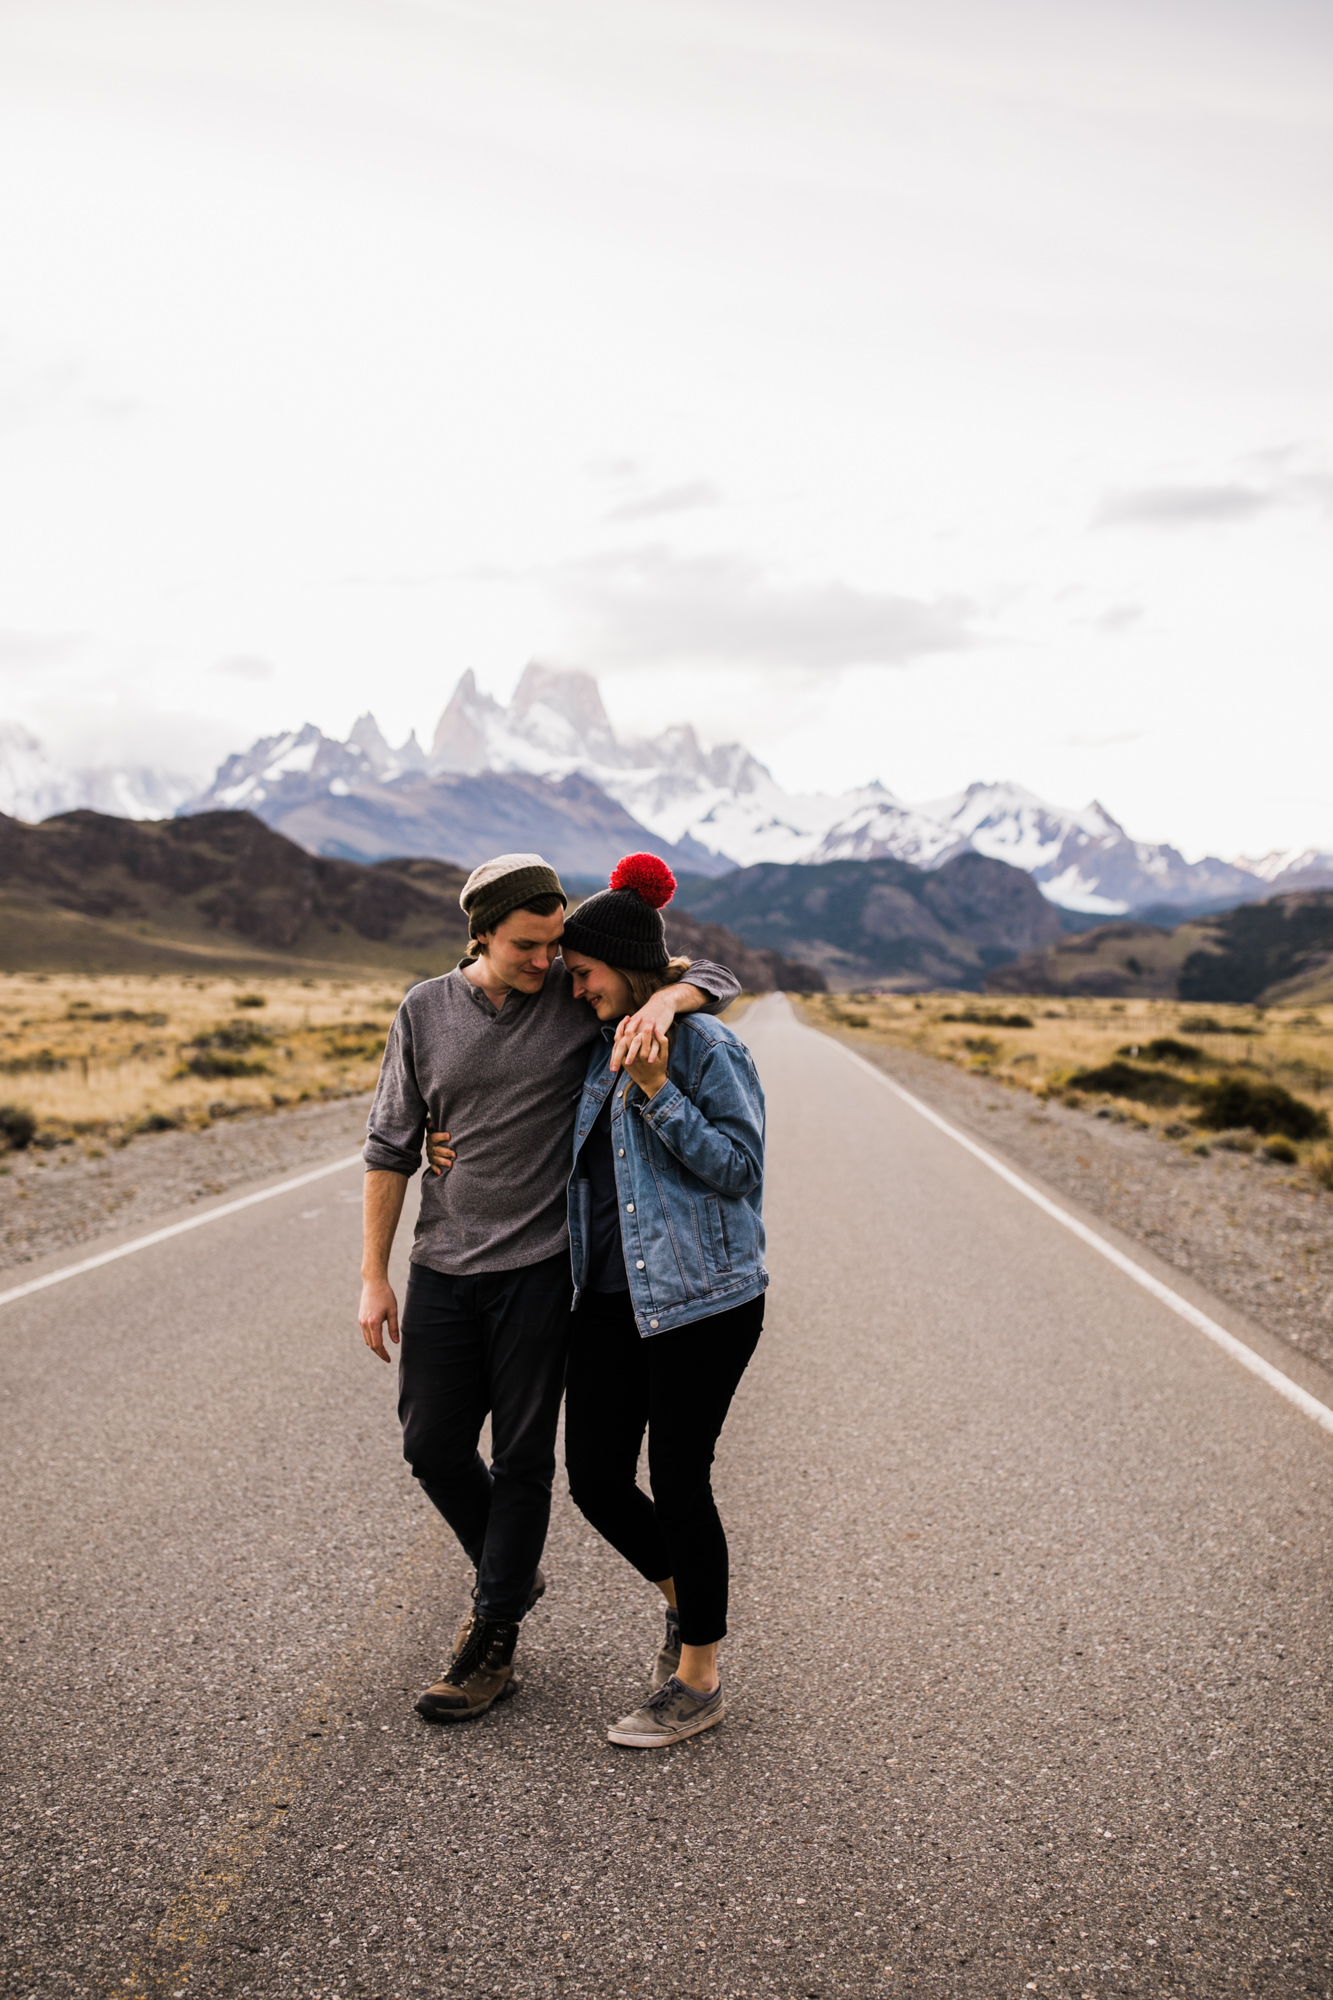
(1304, 1401)
(175, 1229)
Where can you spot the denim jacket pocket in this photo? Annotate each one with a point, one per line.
(717, 1234)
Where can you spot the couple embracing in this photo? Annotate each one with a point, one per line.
(591, 1220)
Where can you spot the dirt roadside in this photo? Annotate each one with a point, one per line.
(64, 1199)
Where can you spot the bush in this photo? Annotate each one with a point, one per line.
(1165, 1048)
(17, 1128)
(1262, 1107)
(208, 1062)
(1204, 1024)
(1122, 1079)
(992, 1020)
(249, 1000)
(1281, 1149)
(1322, 1169)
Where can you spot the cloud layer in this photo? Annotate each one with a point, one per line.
(650, 606)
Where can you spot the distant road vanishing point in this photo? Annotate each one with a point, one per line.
(1028, 1677)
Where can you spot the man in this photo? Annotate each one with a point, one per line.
(493, 1055)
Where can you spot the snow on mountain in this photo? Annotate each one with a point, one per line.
(1291, 867)
(728, 802)
(715, 807)
(32, 786)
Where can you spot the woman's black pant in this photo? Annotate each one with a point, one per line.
(679, 1386)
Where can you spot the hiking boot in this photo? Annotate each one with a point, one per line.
(669, 1716)
(481, 1672)
(538, 1591)
(667, 1661)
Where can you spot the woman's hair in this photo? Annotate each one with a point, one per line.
(643, 985)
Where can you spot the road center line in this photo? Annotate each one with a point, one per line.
(175, 1229)
(1304, 1401)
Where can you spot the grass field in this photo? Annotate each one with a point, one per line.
(1038, 1045)
(97, 1059)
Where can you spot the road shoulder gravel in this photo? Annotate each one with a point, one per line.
(66, 1199)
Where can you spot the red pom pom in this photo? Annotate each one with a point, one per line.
(647, 876)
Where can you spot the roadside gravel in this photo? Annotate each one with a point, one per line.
(62, 1199)
(1256, 1235)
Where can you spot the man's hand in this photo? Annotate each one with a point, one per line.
(440, 1154)
(638, 1033)
(379, 1308)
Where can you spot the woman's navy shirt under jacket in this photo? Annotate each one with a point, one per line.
(597, 1166)
(689, 1173)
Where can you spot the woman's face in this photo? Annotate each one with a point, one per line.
(605, 990)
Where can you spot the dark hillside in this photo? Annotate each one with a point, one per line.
(1271, 952)
(222, 892)
(88, 892)
(1266, 949)
(884, 922)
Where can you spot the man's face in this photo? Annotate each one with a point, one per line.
(522, 947)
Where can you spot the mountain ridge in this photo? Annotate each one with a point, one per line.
(547, 770)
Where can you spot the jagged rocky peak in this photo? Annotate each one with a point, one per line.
(561, 709)
(462, 735)
(367, 735)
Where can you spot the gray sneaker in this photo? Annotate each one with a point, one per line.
(668, 1716)
(668, 1660)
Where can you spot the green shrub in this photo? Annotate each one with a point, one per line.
(1264, 1108)
(1204, 1024)
(1145, 1086)
(208, 1062)
(1165, 1048)
(992, 1020)
(17, 1128)
(233, 1037)
(249, 1000)
(1322, 1169)
(1281, 1149)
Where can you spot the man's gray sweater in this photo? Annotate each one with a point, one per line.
(505, 1084)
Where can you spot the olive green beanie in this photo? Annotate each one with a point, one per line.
(492, 891)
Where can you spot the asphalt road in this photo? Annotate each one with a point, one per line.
(1028, 1679)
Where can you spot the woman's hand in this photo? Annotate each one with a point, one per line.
(649, 1067)
(644, 1031)
(439, 1152)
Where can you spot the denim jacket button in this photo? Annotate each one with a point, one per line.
(622, 1152)
(652, 1322)
(639, 1265)
(629, 1208)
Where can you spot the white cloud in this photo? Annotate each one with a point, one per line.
(648, 606)
(244, 667)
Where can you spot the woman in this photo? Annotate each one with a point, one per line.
(667, 1242)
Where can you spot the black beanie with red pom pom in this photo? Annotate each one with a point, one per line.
(622, 925)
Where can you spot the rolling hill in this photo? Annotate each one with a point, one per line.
(222, 892)
(883, 922)
(1272, 953)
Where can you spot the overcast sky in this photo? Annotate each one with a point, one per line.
(923, 393)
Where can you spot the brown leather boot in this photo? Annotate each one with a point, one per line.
(481, 1672)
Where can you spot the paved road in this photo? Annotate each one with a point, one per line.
(1028, 1678)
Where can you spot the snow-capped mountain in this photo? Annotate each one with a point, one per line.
(547, 770)
(729, 803)
(32, 786)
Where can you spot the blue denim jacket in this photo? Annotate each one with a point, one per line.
(689, 1173)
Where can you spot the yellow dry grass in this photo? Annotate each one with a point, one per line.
(100, 1057)
(1291, 1046)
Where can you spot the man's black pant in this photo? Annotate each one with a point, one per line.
(679, 1385)
(495, 1343)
